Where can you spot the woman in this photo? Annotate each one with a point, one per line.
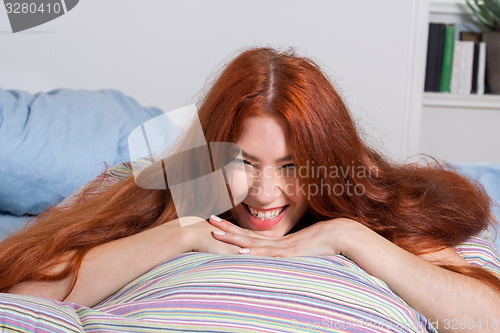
(285, 116)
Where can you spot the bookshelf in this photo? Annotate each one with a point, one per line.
(459, 128)
(455, 12)
(483, 102)
(448, 7)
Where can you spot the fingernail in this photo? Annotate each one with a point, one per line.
(244, 250)
(215, 218)
(219, 232)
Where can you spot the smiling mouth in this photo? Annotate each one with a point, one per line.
(264, 215)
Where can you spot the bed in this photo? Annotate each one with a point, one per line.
(192, 292)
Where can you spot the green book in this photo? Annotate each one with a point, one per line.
(447, 67)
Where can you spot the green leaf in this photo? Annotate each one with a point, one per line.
(485, 19)
(494, 7)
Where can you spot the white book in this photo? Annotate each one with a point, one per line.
(481, 68)
(466, 67)
(455, 72)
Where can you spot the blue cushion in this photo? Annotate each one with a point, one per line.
(489, 176)
(10, 223)
(52, 143)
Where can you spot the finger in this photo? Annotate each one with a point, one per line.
(229, 227)
(267, 251)
(226, 225)
(244, 240)
(225, 248)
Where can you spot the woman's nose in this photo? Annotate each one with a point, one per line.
(265, 187)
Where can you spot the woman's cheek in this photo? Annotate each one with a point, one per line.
(238, 184)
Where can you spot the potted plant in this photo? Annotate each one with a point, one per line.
(487, 18)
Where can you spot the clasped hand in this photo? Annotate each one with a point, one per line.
(318, 239)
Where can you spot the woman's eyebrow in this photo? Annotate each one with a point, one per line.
(287, 158)
(251, 157)
(248, 156)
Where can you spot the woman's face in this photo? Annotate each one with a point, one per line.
(274, 203)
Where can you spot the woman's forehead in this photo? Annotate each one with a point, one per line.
(265, 137)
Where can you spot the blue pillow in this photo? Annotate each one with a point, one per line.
(489, 176)
(52, 143)
(11, 223)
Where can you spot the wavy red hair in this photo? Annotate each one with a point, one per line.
(421, 208)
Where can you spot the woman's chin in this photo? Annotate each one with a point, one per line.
(269, 233)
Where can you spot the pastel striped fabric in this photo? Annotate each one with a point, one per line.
(203, 292)
(479, 250)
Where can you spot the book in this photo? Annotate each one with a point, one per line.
(479, 60)
(467, 62)
(439, 56)
(455, 72)
(447, 62)
(475, 68)
(430, 65)
(481, 68)
(471, 36)
(461, 76)
(433, 65)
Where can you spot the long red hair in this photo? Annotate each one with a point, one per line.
(420, 208)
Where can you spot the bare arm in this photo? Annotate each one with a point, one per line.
(108, 267)
(452, 301)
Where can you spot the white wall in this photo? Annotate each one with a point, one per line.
(162, 51)
(464, 129)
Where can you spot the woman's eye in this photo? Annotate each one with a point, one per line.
(288, 170)
(241, 161)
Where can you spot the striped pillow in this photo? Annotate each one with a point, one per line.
(203, 292)
(479, 250)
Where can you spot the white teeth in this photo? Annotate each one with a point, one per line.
(265, 215)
